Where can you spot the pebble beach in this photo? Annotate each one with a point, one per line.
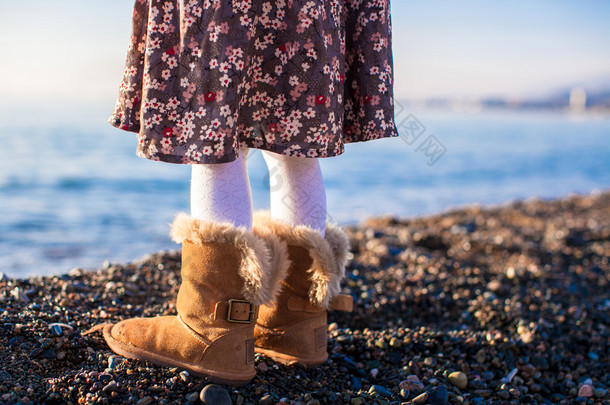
(480, 305)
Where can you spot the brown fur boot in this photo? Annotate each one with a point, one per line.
(227, 272)
(295, 328)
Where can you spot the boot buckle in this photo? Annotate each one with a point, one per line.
(238, 313)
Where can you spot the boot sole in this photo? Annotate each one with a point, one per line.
(132, 352)
(290, 360)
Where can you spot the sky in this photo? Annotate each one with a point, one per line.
(72, 52)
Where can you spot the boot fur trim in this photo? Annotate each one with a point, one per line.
(279, 259)
(256, 265)
(329, 253)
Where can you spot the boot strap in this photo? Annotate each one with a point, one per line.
(342, 302)
(235, 310)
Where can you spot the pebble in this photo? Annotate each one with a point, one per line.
(421, 398)
(213, 394)
(111, 387)
(114, 361)
(438, 395)
(357, 401)
(380, 390)
(459, 379)
(266, 400)
(56, 329)
(36, 352)
(585, 391)
(410, 385)
(48, 354)
(145, 401)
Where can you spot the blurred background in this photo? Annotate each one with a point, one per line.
(496, 101)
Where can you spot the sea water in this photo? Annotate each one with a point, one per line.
(76, 195)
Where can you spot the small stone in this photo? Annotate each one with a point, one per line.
(421, 399)
(104, 377)
(510, 375)
(14, 341)
(438, 395)
(477, 384)
(262, 367)
(185, 376)
(145, 401)
(459, 379)
(395, 343)
(312, 402)
(357, 401)
(600, 393)
(504, 394)
(56, 330)
(514, 392)
(585, 391)
(266, 400)
(4, 375)
(413, 377)
(482, 393)
(36, 352)
(380, 390)
(192, 397)
(409, 385)
(48, 354)
(374, 372)
(481, 356)
(494, 285)
(213, 394)
(114, 361)
(111, 387)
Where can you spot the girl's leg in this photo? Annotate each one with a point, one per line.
(221, 192)
(297, 190)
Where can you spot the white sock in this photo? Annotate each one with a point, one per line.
(221, 192)
(297, 190)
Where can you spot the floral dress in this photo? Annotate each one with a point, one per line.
(298, 77)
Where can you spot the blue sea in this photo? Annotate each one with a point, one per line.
(75, 195)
